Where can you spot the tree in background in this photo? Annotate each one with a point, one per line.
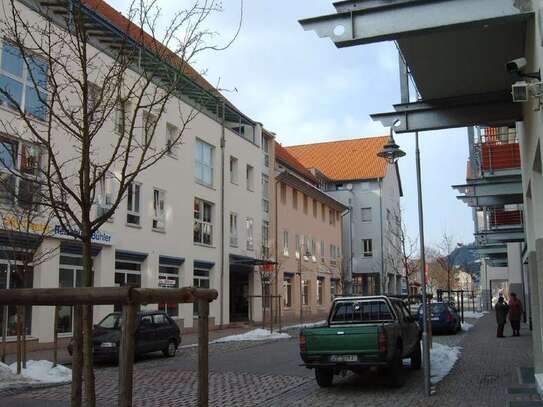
(73, 95)
(447, 256)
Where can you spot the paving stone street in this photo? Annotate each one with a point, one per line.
(268, 374)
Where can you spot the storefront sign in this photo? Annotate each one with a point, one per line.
(99, 236)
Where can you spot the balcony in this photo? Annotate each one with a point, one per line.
(499, 218)
(496, 157)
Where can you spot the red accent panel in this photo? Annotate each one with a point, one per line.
(500, 156)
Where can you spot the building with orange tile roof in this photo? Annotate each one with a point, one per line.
(352, 173)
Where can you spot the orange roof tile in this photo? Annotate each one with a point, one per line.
(344, 160)
(282, 155)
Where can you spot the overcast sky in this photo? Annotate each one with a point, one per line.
(306, 90)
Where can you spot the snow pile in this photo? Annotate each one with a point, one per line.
(467, 326)
(41, 371)
(308, 325)
(254, 335)
(442, 360)
(474, 315)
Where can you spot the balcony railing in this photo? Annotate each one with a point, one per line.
(500, 156)
(501, 217)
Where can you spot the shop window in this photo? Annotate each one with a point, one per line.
(287, 293)
(201, 280)
(13, 276)
(168, 277)
(305, 292)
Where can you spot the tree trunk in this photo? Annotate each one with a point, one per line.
(4, 331)
(88, 372)
(23, 335)
(18, 329)
(77, 357)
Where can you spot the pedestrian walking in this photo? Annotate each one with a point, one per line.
(502, 310)
(515, 313)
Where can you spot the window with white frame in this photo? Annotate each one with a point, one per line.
(333, 289)
(106, 185)
(69, 276)
(265, 206)
(265, 186)
(8, 167)
(203, 222)
(305, 292)
(265, 239)
(266, 150)
(297, 243)
(250, 178)
(313, 250)
(332, 217)
(204, 163)
(322, 253)
(333, 254)
(367, 247)
(233, 229)
(168, 277)
(287, 292)
(127, 273)
(249, 222)
(159, 213)
(320, 293)
(285, 243)
(366, 215)
(233, 170)
(121, 112)
(306, 247)
(133, 211)
(149, 126)
(21, 87)
(201, 280)
(172, 139)
(13, 275)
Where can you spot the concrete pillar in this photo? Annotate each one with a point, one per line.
(104, 276)
(46, 275)
(149, 276)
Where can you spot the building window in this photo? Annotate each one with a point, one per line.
(265, 239)
(333, 289)
(168, 277)
(320, 284)
(68, 277)
(332, 217)
(287, 293)
(333, 255)
(127, 273)
(203, 222)
(233, 170)
(149, 126)
(250, 178)
(366, 215)
(306, 204)
(323, 212)
(315, 209)
(367, 247)
(159, 213)
(172, 139)
(266, 149)
(305, 247)
(121, 109)
(233, 229)
(265, 186)
(297, 243)
(249, 223)
(15, 276)
(133, 216)
(294, 199)
(18, 82)
(305, 292)
(265, 206)
(283, 193)
(322, 253)
(105, 193)
(285, 243)
(201, 280)
(358, 282)
(313, 250)
(204, 163)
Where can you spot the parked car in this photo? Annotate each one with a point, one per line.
(444, 317)
(155, 331)
(363, 332)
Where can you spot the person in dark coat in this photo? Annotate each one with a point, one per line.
(501, 309)
(515, 313)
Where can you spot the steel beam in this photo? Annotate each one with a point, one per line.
(495, 110)
(499, 236)
(368, 21)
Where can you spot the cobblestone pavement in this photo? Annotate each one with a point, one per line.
(268, 374)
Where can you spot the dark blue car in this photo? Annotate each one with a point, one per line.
(444, 317)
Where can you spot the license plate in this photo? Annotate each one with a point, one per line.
(435, 318)
(343, 358)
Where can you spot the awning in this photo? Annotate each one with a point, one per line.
(237, 260)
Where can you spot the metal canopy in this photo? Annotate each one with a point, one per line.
(495, 192)
(500, 236)
(493, 251)
(493, 110)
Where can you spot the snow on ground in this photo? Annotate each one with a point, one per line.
(442, 358)
(308, 325)
(41, 371)
(254, 335)
(474, 315)
(467, 326)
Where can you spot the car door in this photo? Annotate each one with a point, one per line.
(404, 325)
(413, 328)
(145, 334)
(162, 328)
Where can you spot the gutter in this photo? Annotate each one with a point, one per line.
(348, 279)
(381, 227)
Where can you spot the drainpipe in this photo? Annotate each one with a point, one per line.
(222, 145)
(276, 234)
(348, 271)
(381, 226)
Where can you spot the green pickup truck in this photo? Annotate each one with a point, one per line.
(361, 333)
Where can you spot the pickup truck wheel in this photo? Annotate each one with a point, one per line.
(395, 373)
(416, 357)
(324, 376)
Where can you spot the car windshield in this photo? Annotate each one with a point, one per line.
(112, 321)
(361, 311)
(435, 308)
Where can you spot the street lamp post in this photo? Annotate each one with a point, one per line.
(392, 152)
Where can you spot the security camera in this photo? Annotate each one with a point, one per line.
(516, 65)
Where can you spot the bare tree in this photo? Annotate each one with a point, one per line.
(403, 249)
(80, 74)
(448, 254)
